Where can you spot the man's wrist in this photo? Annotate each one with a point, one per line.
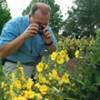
(23, 37)
(49, 44)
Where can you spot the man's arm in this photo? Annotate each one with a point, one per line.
(11, 47)
(15, 44)
(49, 39)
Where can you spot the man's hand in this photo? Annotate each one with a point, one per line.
(30, 31)
(48, 40)
(47, 36)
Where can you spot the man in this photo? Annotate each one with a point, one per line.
(26, 39)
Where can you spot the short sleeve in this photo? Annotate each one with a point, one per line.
(53, 36)
(9, 32)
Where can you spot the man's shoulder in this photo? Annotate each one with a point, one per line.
(17, 20)
(14, 24)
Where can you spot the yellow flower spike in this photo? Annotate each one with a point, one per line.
(16, 84)
(43, 89)
(53, 56)
(21, 69)
(29, 84)
(77, 53)
(40, 67)
(60, 60)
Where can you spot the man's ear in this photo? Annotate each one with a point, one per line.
(31, 18)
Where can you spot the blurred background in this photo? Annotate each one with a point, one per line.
(77, 18)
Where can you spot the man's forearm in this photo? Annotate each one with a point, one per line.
(11, 47)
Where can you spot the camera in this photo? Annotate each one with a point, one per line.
(41, 28)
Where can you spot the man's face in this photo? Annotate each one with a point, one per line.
(41, 16)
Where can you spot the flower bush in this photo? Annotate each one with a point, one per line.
(49, 82)
(53, 80)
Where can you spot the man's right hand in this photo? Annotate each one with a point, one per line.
(15, 44)
(30, 31)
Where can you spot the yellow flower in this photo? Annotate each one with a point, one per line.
(42, 79)
(29, 94)
(15, 98)
(62, 53)
(54, 55)
(16, 84)
(65, 79)
(40, 67)
(37, 85)
(60, 60)
(54, 75)
(77, 53)
(21, 69)
(43, 89)
(29, 84)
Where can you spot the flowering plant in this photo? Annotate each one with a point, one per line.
(49, 81)
(52, 80)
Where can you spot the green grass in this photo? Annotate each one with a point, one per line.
(1, 74)
(1, 79)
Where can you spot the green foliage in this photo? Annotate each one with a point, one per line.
(4, 13)
(56, 17)
(83, 17)
(96, 50)
(87, 76)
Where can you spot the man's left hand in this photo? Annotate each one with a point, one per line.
(47, 36)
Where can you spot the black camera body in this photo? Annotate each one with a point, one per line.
(41, 28)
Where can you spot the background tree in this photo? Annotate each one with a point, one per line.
(4, 13)
(56, 17)
(84, 17)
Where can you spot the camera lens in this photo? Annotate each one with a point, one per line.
(41, 28)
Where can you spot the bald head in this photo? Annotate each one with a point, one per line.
(40, 6)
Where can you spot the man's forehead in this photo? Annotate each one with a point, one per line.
(43, 12)
(41, 17)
